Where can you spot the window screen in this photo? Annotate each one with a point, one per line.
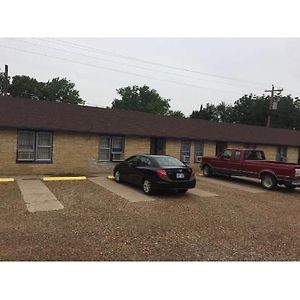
(104, 149)
(111, 148)
(185, 151)
(34, 146)
(199, 147)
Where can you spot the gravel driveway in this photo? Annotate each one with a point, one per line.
(96, 224)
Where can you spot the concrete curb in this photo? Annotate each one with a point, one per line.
(7, 179)
(64, 178)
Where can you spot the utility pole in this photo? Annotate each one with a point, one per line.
(271, 102)
(5, 83)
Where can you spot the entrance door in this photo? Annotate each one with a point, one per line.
(158, 146)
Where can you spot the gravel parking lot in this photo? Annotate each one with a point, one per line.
(96, 224)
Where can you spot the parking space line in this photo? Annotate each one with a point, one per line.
(201, 193)
(37, 196)
(121, 190)
(232, 185)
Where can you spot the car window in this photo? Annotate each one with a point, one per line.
(227, 154)
(237, 155)
(254, 155)
(134, 160)
(168, 161)
(145, 161)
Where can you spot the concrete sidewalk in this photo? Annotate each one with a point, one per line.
(37, 196)
(127, 192)
(242, 186)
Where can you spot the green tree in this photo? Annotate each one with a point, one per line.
(287, 114)
(250, 109)
(176, 113)
(60, 90)
(141, 99)
(205, 113)
(3, 83)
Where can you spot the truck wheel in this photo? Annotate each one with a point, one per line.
(207, 172)
(268, 181)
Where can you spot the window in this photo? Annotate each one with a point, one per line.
(250, 146)
(227, 154)
(111, 148)
(145, 161)
(281, 155)
(185, 151)
(254, 155)
(198, 147)
(34, 146)
(237, 155)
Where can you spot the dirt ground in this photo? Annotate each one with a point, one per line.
(96, 224)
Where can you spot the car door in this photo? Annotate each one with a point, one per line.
(133, 169)
(126, 168)
(236, 163)
(224, 163)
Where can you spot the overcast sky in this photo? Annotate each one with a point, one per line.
(189, 71)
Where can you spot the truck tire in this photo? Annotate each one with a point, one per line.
(268, 181)
(207, 171)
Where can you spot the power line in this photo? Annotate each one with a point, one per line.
(121, 63)
(105, 52)
(110, 69)
(103, 59)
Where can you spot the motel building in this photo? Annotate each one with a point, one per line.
(40, 137)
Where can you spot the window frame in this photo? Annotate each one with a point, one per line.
(110, 149)
(282, 158)
(35, 134)
(183, 153)
(195, 152)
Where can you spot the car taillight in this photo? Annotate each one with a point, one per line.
(162, 173)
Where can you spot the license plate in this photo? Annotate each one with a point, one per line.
(179, 175)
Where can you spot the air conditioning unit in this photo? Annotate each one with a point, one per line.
(198, 158)
(185, 158)
(25, 155)
(117, 156)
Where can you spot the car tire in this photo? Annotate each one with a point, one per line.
(207, 172)
(182, 191)
(147, 186)
(118, 177)
(268, 181)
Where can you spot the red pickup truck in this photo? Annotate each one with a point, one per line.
(252, 163)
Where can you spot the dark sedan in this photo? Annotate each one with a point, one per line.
(155, 172)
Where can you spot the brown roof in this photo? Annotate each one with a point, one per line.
(44, 115)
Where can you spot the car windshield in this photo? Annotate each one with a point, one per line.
(167, 161)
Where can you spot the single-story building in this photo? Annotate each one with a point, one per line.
(41, 137)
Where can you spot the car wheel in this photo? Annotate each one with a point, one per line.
(118, 177)
(268, 181)
(182, 191)
(147, 187)
(207, 171)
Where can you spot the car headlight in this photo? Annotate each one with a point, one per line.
(297, 172)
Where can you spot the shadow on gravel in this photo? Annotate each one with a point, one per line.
(253, 183)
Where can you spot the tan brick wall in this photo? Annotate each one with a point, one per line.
(292, 154)
(236, 145)
(72, 154)
(173, 148)
(270, 151)
(136, 145)
(209, 148)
